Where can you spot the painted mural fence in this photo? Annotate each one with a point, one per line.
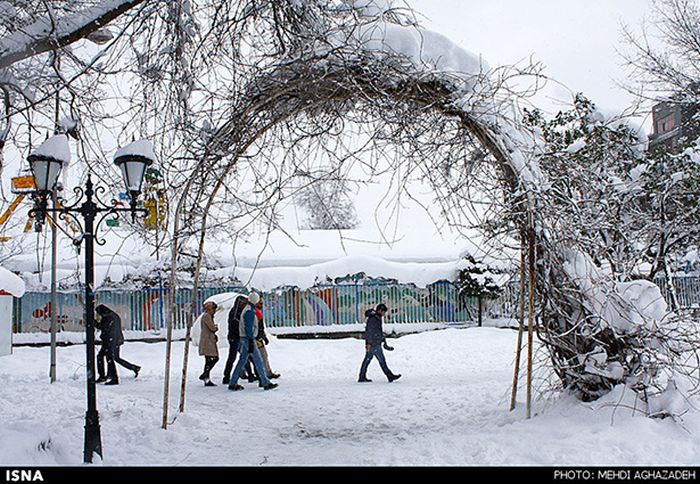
(325, 305)
(146, 309)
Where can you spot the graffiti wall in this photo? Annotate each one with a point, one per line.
(146, 309)
(346, 304)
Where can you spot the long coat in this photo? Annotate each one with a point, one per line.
(207, 340)
(111, 330)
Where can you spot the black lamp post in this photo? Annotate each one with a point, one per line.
(46, 163)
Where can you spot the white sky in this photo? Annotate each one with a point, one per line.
(575, 39)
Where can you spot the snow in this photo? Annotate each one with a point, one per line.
(372, 8)
(424, 48)
(434, 56)
(576, 146)
(141, 147)
(693, 153)
(623, 306)
(646, 299)
(29, 36)
(7, 10)
(11, 283)
(449, 408)
(55, 147)
(269, 278)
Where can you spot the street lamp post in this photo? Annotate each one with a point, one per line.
(46, 163)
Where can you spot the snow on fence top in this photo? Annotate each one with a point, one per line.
(11, 283)
(270, 278)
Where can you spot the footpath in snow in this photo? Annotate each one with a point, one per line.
(449, 408)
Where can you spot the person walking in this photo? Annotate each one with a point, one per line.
(208, 347)
(374, 340)
(112, 337)
(262, 340)
(248, 331)
(233, 336)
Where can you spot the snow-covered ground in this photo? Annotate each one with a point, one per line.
(449, 408)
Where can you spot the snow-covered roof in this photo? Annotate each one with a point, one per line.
(11, 283)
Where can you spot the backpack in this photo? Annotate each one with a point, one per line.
(196, 331)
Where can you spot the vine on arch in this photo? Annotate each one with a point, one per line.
(448, 117)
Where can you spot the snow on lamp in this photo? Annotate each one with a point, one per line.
(47, 160)
(133, 160)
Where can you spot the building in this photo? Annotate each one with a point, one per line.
(674, 125)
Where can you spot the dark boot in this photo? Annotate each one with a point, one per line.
(136, 371)
(236, 387)
(101, 379)
(393, 377)
(363, 379)
(225, 380)
(270, 386)
(113, 381)
(209, 383)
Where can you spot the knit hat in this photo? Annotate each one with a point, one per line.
(253, 297)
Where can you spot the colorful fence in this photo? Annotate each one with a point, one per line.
(146, 309)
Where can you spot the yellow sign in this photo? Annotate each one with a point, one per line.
(23, 184)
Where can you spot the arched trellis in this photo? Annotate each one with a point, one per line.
(303, 83)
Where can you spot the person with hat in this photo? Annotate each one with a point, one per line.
(374, 340)
(208, 346)
(248, 334)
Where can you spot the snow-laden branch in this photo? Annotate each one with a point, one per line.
(47, 34)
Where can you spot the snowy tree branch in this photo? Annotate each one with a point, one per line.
(45, 35)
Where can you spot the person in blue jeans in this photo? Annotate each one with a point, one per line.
(248, 331)
(374, 340)
(234, 337)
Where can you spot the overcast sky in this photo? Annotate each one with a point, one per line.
(575, 39)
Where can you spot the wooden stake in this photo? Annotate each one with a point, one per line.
(521, 320)
(183, 384)
(169, 334)
(185, 361)
(530, 318)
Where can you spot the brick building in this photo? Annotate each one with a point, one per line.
(674, 125)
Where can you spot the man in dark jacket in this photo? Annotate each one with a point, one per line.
(111, 335)
(234, 339)
(374, 339)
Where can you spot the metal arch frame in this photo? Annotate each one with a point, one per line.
(90, 206)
